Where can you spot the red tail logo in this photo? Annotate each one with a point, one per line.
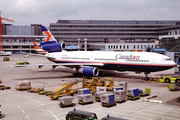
(49, 36)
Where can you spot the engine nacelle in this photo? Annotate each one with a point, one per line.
(53, 46)
(89, 71)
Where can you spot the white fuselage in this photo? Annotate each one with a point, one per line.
(121, 61)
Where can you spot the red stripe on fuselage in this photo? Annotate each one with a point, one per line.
(110, 63)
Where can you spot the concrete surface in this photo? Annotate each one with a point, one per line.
(22, 105)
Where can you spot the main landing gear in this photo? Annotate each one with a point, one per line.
(77, 75)
(146, 78)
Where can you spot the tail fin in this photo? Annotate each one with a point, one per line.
(47, 35)
(50, 44)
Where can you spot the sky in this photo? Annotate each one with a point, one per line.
(27, 12)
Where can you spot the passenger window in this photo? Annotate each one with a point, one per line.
(76, 116)
(93, 116)
(83, 116)
(70, 114)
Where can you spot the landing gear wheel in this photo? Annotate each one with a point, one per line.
(167, 80)
(178, 81)
(146, 78)
(77, 75)
(100, 73)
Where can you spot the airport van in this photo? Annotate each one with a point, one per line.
(112, 118)
(81, 115)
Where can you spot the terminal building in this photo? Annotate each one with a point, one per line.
(118, 35)
(115, 35)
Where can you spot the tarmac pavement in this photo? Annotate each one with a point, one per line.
(22, 105)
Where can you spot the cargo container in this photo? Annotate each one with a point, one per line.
(123, 85)
(120, 96)
(133, 93)
(117, 88)
(97, 95)
(107, 100)
(85, 98)
(23, 85)
(84, 91)
(66, 101)
(100, 89)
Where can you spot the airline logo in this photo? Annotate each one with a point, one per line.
(44, 29)
(35, 45)
(49, 36)
(128, 57)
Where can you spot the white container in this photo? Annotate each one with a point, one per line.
(66, 100)
(117, 88)
(134, 92)
(85, 97)
(100, 89)
(120, 95)
(84, 91)
(123, 85)
(107, 98)
(23, 85)
(98, 94)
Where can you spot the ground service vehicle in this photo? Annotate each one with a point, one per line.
(144, 93)
(173, 87)
(2, 53)
(23, 63)
(6, 59)
(64, 90)
(81, 115)
(112, 118)
(169, 79)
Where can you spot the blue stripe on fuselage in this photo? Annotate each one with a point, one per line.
(127, 67)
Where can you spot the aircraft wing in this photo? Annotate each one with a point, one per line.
(62, 64)
(74, 64)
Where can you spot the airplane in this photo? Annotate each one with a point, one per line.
(91, 63)
(39, 50)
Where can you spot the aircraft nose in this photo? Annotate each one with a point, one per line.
(173, 63)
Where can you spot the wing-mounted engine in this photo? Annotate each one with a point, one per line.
(89, 71)
(52, 46)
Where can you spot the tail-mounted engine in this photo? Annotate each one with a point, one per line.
(52, 46)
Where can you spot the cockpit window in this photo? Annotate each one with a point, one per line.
(166, 59)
